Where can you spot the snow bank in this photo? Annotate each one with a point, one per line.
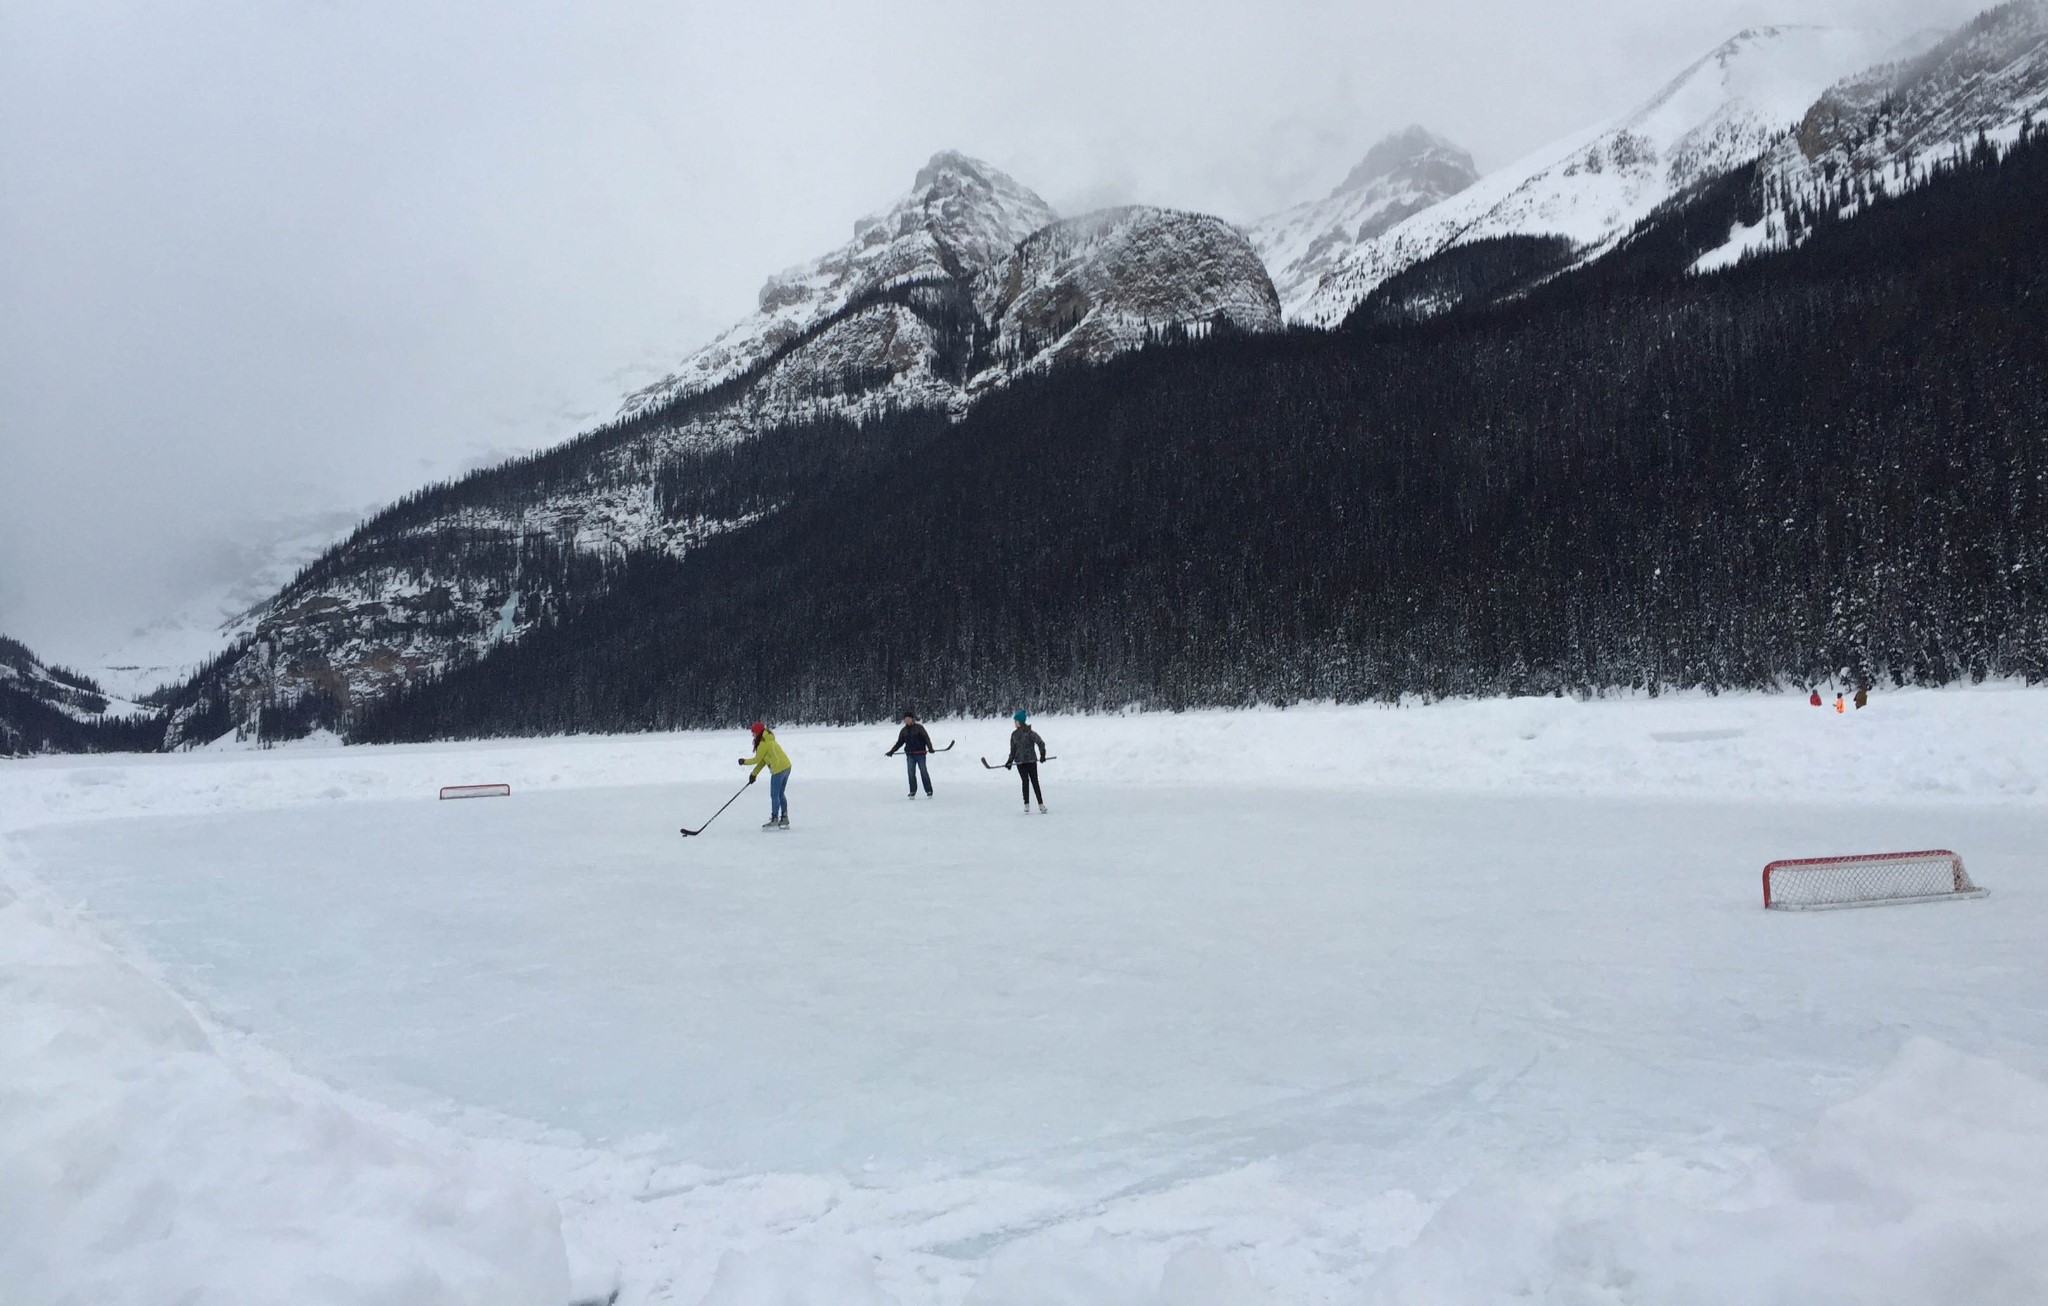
(142, 1165)
(1102, 1272)
(1931, 1186)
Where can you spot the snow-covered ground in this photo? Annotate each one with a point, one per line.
(1462, 1003)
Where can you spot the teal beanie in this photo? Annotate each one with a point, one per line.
(1018, 716)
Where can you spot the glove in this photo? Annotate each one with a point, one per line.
(752, 778)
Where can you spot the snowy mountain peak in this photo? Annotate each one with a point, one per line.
(1413, 155)
(960, 217)
(1723, 110)
(1402, 175)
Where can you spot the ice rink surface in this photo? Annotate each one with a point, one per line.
(1286, 996)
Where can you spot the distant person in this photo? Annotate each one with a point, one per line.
(1027, 750)
(916, 744)
(1838, 703)
(1815, 698)
(1862, 696)
(768, 753)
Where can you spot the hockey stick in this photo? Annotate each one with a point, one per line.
(715, 815)
(933, 753)
(1006, 766)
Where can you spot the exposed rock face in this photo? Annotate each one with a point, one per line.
(960, 218)
(1987, 77)
(1723, 111)
(1404, 174)
(1091, 287)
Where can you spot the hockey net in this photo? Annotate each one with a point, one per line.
(476, 791)
(1867, 880)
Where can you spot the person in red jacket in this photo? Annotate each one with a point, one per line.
(1815, 700)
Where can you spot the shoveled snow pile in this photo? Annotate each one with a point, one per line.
(1928, 1187)
(141, 1165)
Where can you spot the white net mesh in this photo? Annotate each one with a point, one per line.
(1867, 880)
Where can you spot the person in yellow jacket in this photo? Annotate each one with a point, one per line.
(768, 753)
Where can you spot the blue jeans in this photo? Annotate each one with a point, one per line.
(778, 803)
(914, 763)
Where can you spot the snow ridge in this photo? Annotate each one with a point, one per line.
(1593, 187)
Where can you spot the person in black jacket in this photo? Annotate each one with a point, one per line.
(1027, 750)
(916, 745)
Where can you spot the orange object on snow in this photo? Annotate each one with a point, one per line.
(1838, 702)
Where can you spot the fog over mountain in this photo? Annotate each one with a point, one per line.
(262, 266)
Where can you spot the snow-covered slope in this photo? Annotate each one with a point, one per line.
(1591, 188)
(1095, 286)
(1886, 127)
(47, 707)
(1404, 174)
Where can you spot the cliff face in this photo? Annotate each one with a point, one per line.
(1091, 287)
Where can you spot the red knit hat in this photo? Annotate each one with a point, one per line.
(758, 727)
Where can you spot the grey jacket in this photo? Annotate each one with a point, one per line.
(1022, 740)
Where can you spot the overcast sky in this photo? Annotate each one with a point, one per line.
(265, 260)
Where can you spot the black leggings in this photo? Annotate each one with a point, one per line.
(1027, 775)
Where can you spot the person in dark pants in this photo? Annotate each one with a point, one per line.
(916, 745)
(1027, 750)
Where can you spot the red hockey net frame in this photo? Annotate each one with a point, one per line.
(476, 791)
(1867, 880)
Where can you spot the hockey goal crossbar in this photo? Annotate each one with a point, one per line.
(1867, 880)
(476, 791)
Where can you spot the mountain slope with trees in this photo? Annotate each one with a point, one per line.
(1830, 461)
(46, 708)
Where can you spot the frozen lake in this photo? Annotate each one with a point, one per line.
(1290, 1020)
